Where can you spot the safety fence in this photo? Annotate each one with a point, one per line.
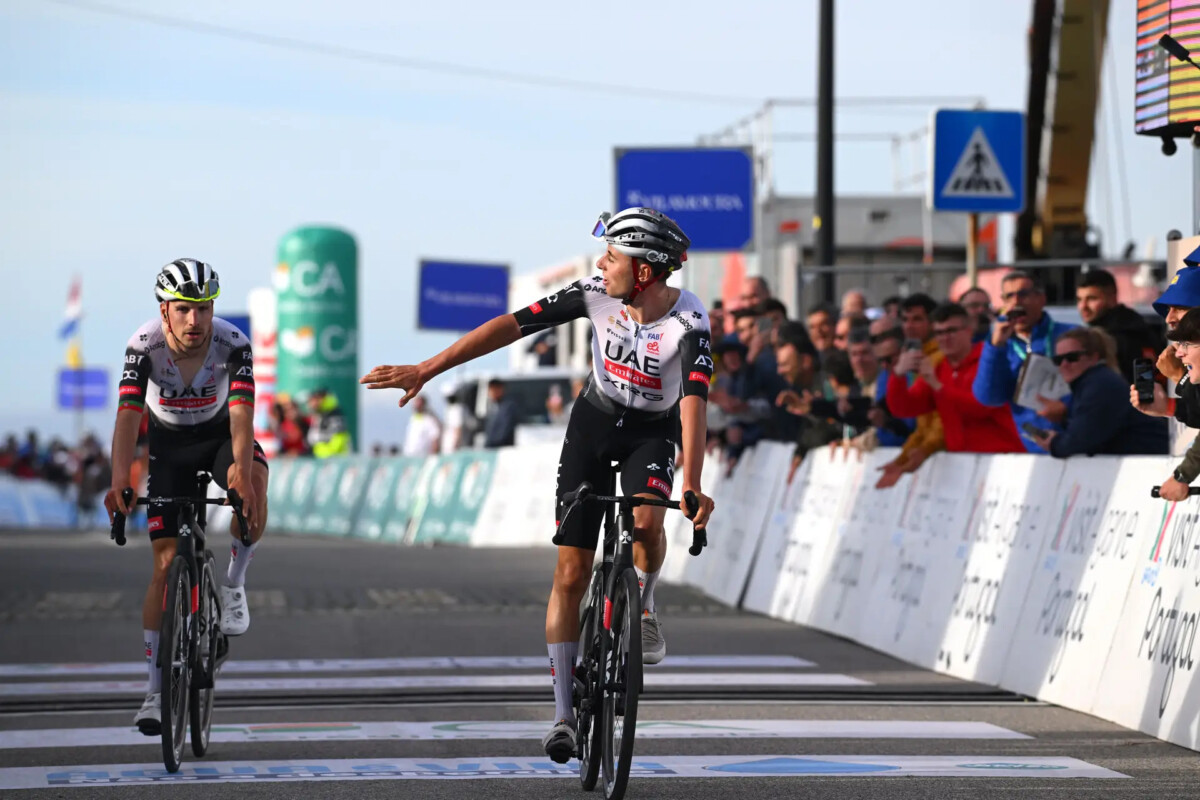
(28, 503)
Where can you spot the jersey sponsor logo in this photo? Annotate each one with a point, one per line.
(699, 377)
(652, 347)
(631, 375)
(131, 390)
(247, 355)
(703, 343)
(188, 397)
(679, 318)
(245, 371)
(536, 308)
(241, 386)
(704, 361)
(624, 388)
(129, 375)
(614, 321)
(155, 524)
(132, 359)
(649, 365)
(660, 484)
(654, 337)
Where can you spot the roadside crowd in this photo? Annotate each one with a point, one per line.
(84, 467)
(975, 375)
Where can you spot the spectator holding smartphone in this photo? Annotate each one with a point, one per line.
(1022, 329)
(1099, 421)
(945, 386)
(1182, 295)
(1185, 338)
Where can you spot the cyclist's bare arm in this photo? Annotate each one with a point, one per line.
(693, 411)
(487, 338)
(125, 434)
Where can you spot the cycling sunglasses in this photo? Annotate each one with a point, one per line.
(601, 224)
(1070, 357)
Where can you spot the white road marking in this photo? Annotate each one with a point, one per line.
(430, 731)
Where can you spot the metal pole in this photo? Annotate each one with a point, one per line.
(825, 221)
(973, 249)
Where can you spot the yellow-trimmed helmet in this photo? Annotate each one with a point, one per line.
(187, 279)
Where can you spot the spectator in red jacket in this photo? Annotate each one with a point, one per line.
(970, 426)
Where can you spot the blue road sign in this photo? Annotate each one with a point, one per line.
(455, 296)
(709, 191)
(978, 161)
(85, 389)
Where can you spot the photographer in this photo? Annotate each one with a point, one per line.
(1098, 422)
(1185, 338)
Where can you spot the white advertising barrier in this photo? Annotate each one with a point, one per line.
(679, 564)
(914, 533)
(1079, 585)
(806, 559)
(836, 596)
(1014, 507)
(744, 512)
(1150, 672)
(766, 573)
(519, 509)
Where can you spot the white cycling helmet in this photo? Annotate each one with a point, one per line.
(646, 234)
(187, 279)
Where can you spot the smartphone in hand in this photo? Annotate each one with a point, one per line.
(1034, 430)
(1143, 379)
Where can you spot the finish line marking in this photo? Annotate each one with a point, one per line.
(971, 766)
(504, 682)
(306, 665)
(434, 731)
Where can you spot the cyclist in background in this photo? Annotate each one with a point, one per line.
(650, 374)
(194, 375)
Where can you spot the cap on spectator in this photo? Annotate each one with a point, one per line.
(1188, 329)
(1184, 290)
(795, 334)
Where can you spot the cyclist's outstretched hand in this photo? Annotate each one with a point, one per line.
(408, 377)
(700, 520)
(113, 502)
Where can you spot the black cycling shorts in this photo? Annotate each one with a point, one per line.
(175, 458)
(644, 449)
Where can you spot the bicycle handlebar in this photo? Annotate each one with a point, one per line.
(1154, 491)
(117, 534)
(584, 494)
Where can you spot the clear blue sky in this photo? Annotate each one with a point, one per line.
(125, 144)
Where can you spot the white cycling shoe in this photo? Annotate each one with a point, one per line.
(149, 719)
(235, 613)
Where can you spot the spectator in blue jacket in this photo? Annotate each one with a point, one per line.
(1023, 327)
(1100, 420)
(886, 340)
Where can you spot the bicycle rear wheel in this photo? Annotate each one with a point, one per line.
(622, 683)
(204, 671)
(173, 654)
(588, 697)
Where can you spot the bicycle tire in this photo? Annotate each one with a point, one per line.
(623, 683)
(589, 716)
(173, 657)
(204, 671)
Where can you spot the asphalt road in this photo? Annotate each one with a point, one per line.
(368, 662)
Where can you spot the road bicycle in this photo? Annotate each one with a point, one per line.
(608, 678)
(192, 647)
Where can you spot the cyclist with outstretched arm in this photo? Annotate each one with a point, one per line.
(194, 374)
(651, 366)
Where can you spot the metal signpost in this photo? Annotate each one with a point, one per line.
(978, 167)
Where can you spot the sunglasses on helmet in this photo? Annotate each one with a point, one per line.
(601, 224)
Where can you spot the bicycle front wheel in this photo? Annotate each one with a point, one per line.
(622, 683)
(588, 697)
(204, 672)
(173, 654)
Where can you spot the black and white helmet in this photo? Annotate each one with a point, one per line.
(646, 234)
(187, 279)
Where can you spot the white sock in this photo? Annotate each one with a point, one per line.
(562, 669)
(239, 562)
(153, 673)
(646, 580)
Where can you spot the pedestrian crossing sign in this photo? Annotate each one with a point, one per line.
(978, 161)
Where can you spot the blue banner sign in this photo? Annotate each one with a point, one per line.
(455, 296)
(85, 389)
(709, 191)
